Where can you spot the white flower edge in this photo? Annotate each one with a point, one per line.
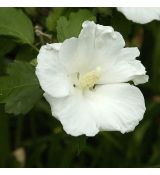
(141, 15)
(113, 106)
(116, 107)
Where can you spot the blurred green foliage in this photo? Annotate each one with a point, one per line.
(16, 24)
(72, 27)
(29, 135)
(20, 89)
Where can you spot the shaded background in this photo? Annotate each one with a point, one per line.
(33, 138)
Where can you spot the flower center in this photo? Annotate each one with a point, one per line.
(89, 79)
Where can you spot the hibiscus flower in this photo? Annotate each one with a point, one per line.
(85, 80)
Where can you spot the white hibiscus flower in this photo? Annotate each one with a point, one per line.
(141, 15)
(85, 81)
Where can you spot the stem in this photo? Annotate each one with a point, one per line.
(34, 47)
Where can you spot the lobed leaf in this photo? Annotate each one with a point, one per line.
(20, 89)
(67, 28)
(52, 18)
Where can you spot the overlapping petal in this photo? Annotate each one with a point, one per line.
(112, 104)
(51, 72)
(124, 67)
(101, 46)
(91, 47)
(117, 107)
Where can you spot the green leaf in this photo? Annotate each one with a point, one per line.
(31, 11)
(6, 45)
(104, 11)
(26, 53)
(54, 15)
(20, 89)
(16, 24)
(72, 27)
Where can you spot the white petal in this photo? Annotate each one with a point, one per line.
(100, 40)
(141, 15)
(71, 55)
(118, 64)
(74, 115)
(51, 73)
(124, 67)
(88, 50)
(117, 107)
